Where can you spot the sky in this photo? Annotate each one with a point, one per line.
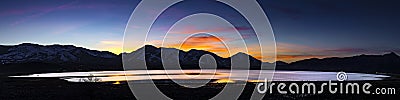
(303, 28)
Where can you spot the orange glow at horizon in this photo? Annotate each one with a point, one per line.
(207, 43)
(293, 58)
(285, 52)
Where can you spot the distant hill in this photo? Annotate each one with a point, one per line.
(387, 63)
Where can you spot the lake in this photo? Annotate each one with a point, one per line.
(193, 76)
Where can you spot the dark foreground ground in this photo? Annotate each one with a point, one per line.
(55, 89)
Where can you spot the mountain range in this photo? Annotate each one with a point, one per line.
(386, 63)
(32, 58)
(191, 59)
(39, 58)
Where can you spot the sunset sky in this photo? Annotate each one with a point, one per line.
(303, 28)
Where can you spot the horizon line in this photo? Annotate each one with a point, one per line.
(57, 44)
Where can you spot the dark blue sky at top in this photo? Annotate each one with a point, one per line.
(79, 22)
(349, 26)
(338, 23)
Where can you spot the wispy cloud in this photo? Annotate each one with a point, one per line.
(38, 11)
(110, 45)
(208, 43)
(292, 58)
(192, 29)
(294, 48)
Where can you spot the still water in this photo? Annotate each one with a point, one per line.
(217, 76)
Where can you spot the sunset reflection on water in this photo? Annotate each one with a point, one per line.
(217, 76)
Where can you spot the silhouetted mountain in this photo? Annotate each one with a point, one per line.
(388, 63)
(71, 58)
(26, 53)
(66, 57)
(281, 63)
(187, 60)
(33, 58)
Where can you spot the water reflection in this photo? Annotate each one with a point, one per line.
(192, 76)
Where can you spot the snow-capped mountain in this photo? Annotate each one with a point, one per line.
(71, 58)
(27, 53)
(147, 57)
